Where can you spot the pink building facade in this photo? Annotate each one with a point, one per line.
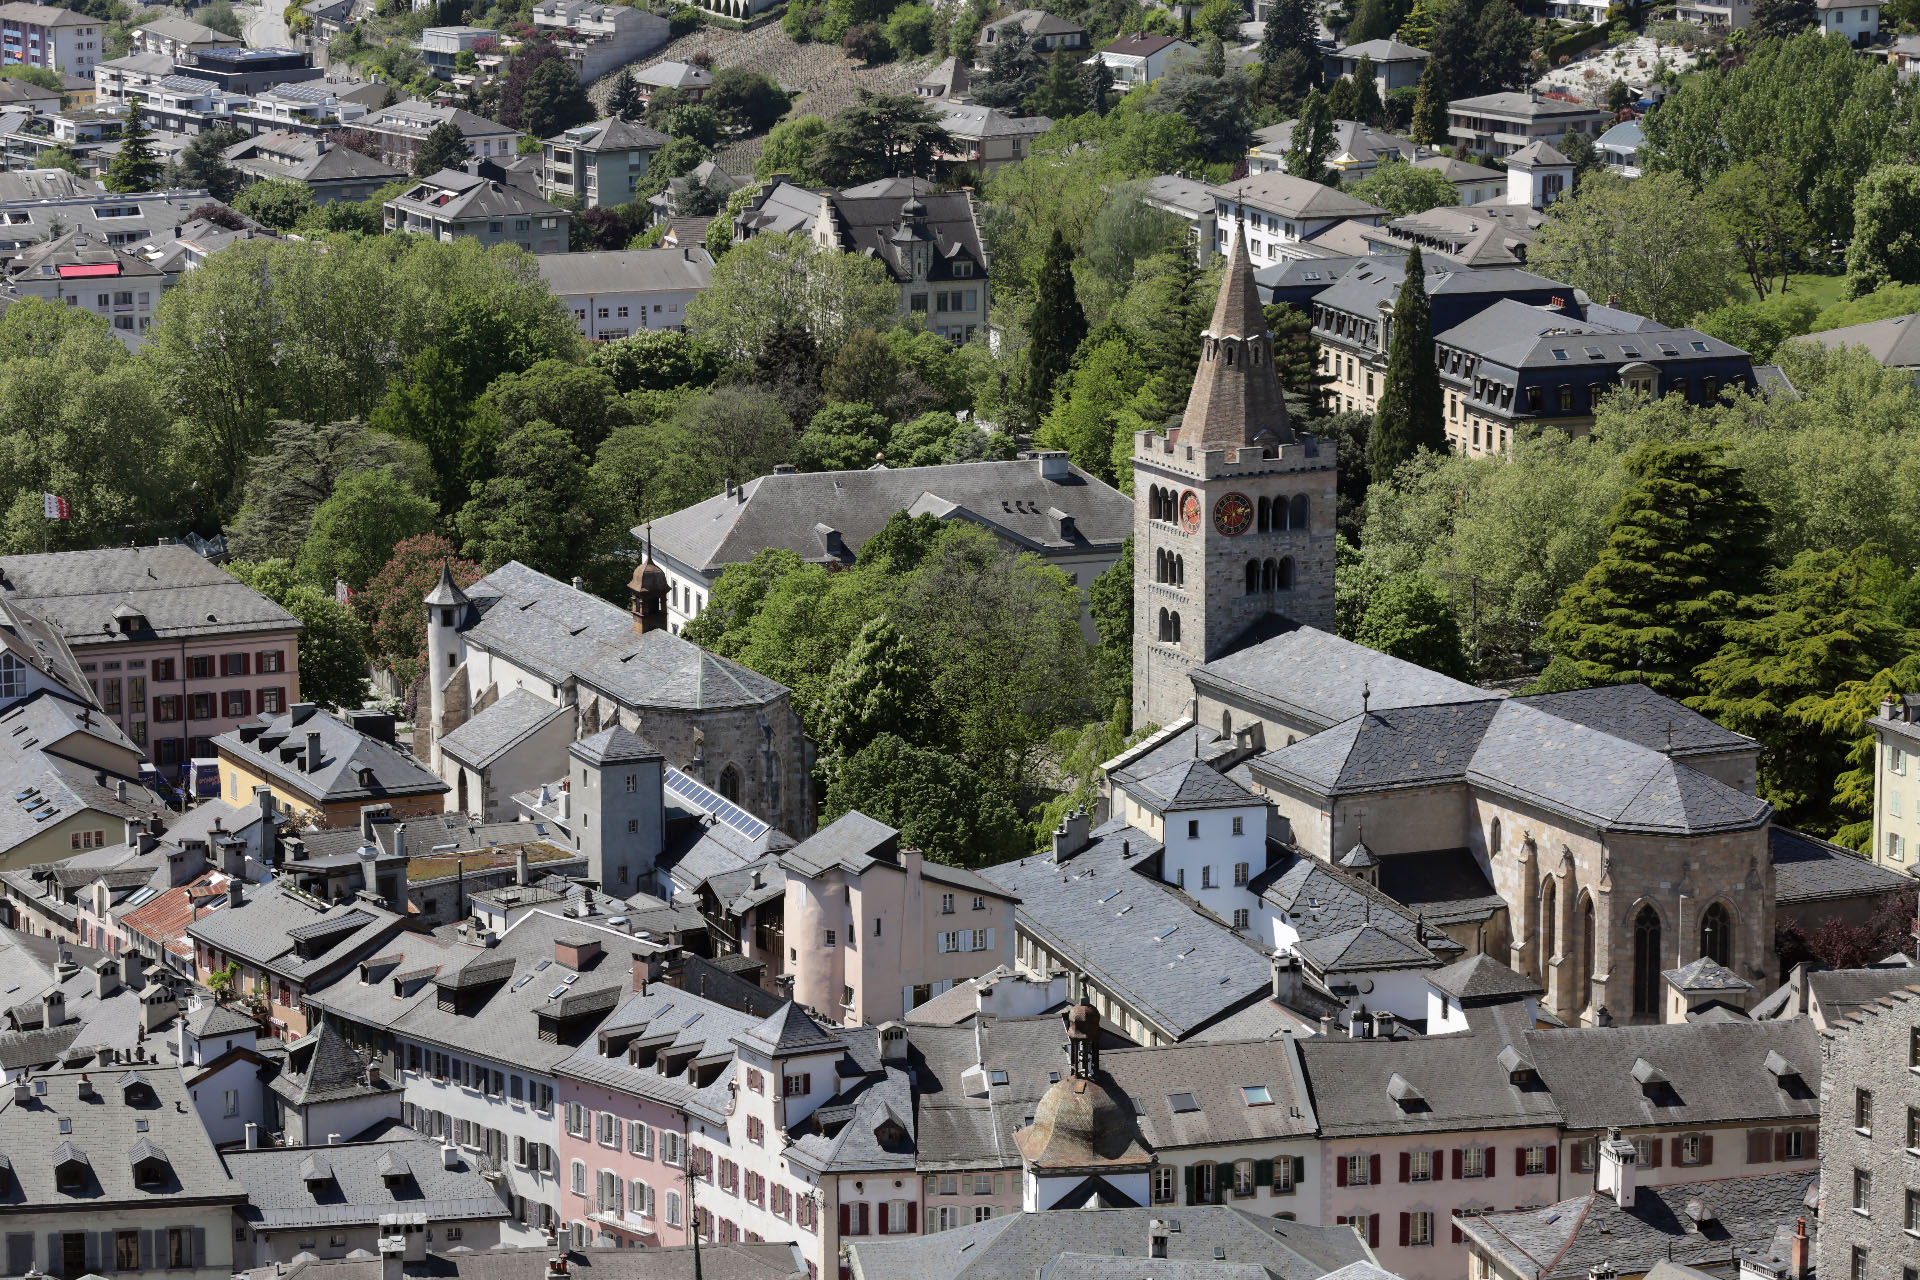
(623, 1167)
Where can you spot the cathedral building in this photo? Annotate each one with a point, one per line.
(1595, 841)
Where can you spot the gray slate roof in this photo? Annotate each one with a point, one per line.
(1009, 499)
(345, 754)
(356, 1190)
(323, 1067)
(717, 1262)
(264, 929)
(177, 591)
(1809, 869)
(1292, 197)
(1895, 342)
(1480, 977)
(1179, 983)
(105, 1132)
(1639, 715)
(1717, 1073)
(503, 725)
(1191, 784)
(1016, 1245)
(1316, 677)
(852, 842)
(69, 788)
(679, 1028)
(1704, 974)
(1214, 1075)
(552, 629)
(626, 271)
(1513, 335)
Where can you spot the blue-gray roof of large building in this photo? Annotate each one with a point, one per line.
(1809, 869)
(352, 764)
(852, 842)
(177, 592)
(1513, 335)
(1318, 678)
(1638, 714)
(500, 727)
(263, 931)
(355, 1188)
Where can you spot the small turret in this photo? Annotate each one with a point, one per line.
(649, 590)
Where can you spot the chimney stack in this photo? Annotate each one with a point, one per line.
(106, 979)
(253, 1136)
(233, 893)
(1071, 836)
(520, 865)
(1619, 1167)
(1157, 1238)
(1798, 1261)
(313, 751)
(1329, 1024)
(53, 1009)
(133, 970)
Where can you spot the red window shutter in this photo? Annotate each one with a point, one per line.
(1756, 1147)
(1706, 1148)
(866, 1223)
(1406, 1166)
(1373, 1228)
(913, 1218)
(1553, 1157)
(1812, 1147)
(1439, 1166)
(1678, 1154)
(882, 1215)
(1340, 1171)
(1780, 1145)
(846, 1220)
(1406, 1229)
(1519, 1161)
(1457, 1237)
(1653, 1148)
(1373, 1170)
(1457, 1165)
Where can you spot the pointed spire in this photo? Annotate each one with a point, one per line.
(447, 592)
(1236, 396)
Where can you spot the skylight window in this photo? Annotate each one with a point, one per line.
(1699, 346)
(1560, 353)
(996, 1077)
(1257, 1095)
(1182, 1102)
(1166, 933)
(1110, 895)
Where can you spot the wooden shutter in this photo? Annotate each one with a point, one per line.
(1457, 1237)
(1373, 1228)
(1653, 1149)
(846, 1220)
(866, 1223)
(1263, 1173)
(1406, 1171)
(1706, 1148)
(90, 1249)
(1340, 1171)
(1299, 1170)
(1459, 1163)
(1679, 1154)
(1406, 1229)
(1188, 1172)
(1439, 1166)
(1553, 1156)
(913, 1218)
(1759, 1149)
(199, 1247)
(148, 1248)
(54, 1263)
(20, 1252)
(1373, 1170)
(883, 1215)
(1519, 1161)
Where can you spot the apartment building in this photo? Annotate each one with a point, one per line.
(451, 204)
(323, 769)
(1275, 208)
(599, 163)
(57, 39)
(616, 293)
(1896, 784)
(598, 38)
(1869, 1130)
(78, 270)
(1499, 124)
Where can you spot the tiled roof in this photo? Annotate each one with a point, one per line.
(1704, 974)
(262, 931)
(451, 194)
(559, 632)
(1249, 1091)
(1639, 715)
(852, 842)
(1292, 197)
(178, 593)
(770, 1261)
(1481, 977)
(626, 270)
(352, 765)
(356, 1190)
(1191, 784)
(502, 726)
(1446, 886)
(323, 1067)
(1316, 677)
(1894, 342)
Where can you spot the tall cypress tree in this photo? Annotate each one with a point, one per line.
(1409, 418)
(1429, 127)
(134, 167)
(1312, 139)
(1685, 545)
(1289, 51)
(624, 101)
(1057, 328)
(1368, 109)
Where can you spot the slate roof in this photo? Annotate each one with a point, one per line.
(1894, 342)
(1191, 784)
(365, 994)
(280, 153)
(69, 788)
(322, 1067)
(1315, 677)
(345, 754)
(874, 227)
(1016, 1246)
(1639, 715)
(1214, 1076)
(1008, 499)
(1716, 1073)
(1458, 1078)
(1385, 748)
(1351, 140)
(91, 1023)
(852, 842)
(626, 271)
(504, 724)
(417, 119)
(1034, 22)
(215, 1019)
(1842, 992)
(185, 31)
(1291, 197)
(1513, 335)
(1480, 978)
(676, 1027)
(771, 1261)
(262, 931)
(1705, 975)
(356, 1192)
(968, 120)
(1521, 105)
(1565, 1240)
(1376, 282)
(106, 1130)
(1537, 154)
(1303, 273)
(617, 745)
(1446, 886)
(549, 628)
(177, 591)
(1319, 902)
(1383, 51)
(453, 194)
(1458, 171)
(1102, 915)
(1140, 45)
(613, 134)
(788, 1030)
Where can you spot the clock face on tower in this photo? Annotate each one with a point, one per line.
(1233, 514)
(1190, 510)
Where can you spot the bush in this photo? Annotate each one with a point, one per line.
(866, 43)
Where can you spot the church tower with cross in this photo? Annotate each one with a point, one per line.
(1233, 528)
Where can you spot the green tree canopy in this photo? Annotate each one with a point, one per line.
(134, 166)
(391, 608)
(1885, 248)
(1410, 415)
(1057, 328)
(1312, 139)
(882, 135)
(842, 437)
(877, 686)
(1408, 618)
(1652, 243)
(932, 798)
(444, 147)
(297, 470)
(1757, 200)
(540, 507)
(203, 163)
(354, 531)
(333, 661)
(280, 203)
(776, 280)
(1401, 189)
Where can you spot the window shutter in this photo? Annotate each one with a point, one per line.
(866, 1223)
(1406, 1229)
(1299, 1170)
(109, 1255)
(1812, 1146)
(1553, 1157)
(883, 1215)
(1373, 1170)
(1757, 1150)
(1519, 1161)
(53, 1253)
(1373, 1231)
(1188, 1173)
(1459, 1165)
(1340, 1171)
(1780, 1145)
(147, 1250)
(846, 1220)
(1263, 1173)
(1456, 1231)
(1438, 1166)
(1706, 1148)
(199, 1247)
(913, 1218)
(20, 1252)
(1406, 1166)
(1678, 1154)
(1653, 1149)
(989, 939)
(89, 1244)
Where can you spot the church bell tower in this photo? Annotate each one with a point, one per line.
(1233, 518)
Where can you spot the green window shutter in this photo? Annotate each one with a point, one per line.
(1299, 1170)
(1263, 1173)
(1187, 1173)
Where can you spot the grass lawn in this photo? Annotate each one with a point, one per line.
(1824, 290)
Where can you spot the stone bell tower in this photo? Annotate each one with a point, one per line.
(1233, 512)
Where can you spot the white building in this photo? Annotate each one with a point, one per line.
(78, 271)
(616, 293)
(1141, 59)
(1277, 208)
(1858, 20)
(41, 35)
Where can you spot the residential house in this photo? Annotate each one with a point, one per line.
(115, 78)
(240, 70)
(1869, 1127)
(1858, 22)
(874, 929)
(323, 769)
(705, 186)
(18, 95)
(1041, 504)
(312, 109)
(75, 785)
(600, 163)
(66, 1013)
(1475, 183)
(179, 39)
(114, 1173)
(1047, 32)
(1352, 318)
(216, 1051)
(1828, 997)
(930, 244)
(1619, 148)
(330, 1198)
(329, 18)
(1903, 55)
(1894, 344)
(441, 47)
(156, 930)
(1141, 59)
(57, 39)
(1514, 363)
(1499, 124)
(1493, 233)
(616, 293)
(1716, 15)
(77, 90)
(1538, 175)
(329, 171)
(282, 944)
(402, 127)
(688, 79)
(598, 38)
(451, 204)
(1186, 198)
(717, 724)
(482, 1034)
(948, 80)
(1358, 149)
(1276, 208)
(986, 139)
(1395, 65)
(141, 616)
(79, 271)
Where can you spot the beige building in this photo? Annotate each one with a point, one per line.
(1896, 784)
(874, 929)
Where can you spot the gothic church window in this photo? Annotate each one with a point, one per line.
(1716, 935)
(730, 784)
(1646, 962)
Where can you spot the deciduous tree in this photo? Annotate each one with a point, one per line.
(333, 660)
(391, 607)
(1651, 243)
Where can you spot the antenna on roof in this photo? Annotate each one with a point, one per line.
(1669, 737)
(1366, 694)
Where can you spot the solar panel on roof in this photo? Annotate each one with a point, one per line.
(725, 810)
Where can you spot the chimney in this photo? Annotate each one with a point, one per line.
(233, 893)
(133, 970)
(579, 583)
(106, 979)
(253, 1136)
(333, 1139)
(1619, 1165)
(373, 1075)
(120, 790)
(313, 751)
(53, 1009)
(1071, 836)
(449, 1157)
(1157, 1238)
(1286, 976)
(135, 829)
(85, 1088)
(1359, 1025)
(393, 1256)
(369, 814)
(1383, 1023)
(1887, 707)
(893, 1042)
(22, 1092)
(1329, 1024)
(520, 865)
(1603, 1017)
(1798, 1261)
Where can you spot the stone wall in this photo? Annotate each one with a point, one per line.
(1877, 1051)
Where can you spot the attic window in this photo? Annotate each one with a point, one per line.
(996, 1077)
(1182, 1102)
(1560, 353)
(1699, 346)
(1257, 1095)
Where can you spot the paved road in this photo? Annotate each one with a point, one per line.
(263, 25)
